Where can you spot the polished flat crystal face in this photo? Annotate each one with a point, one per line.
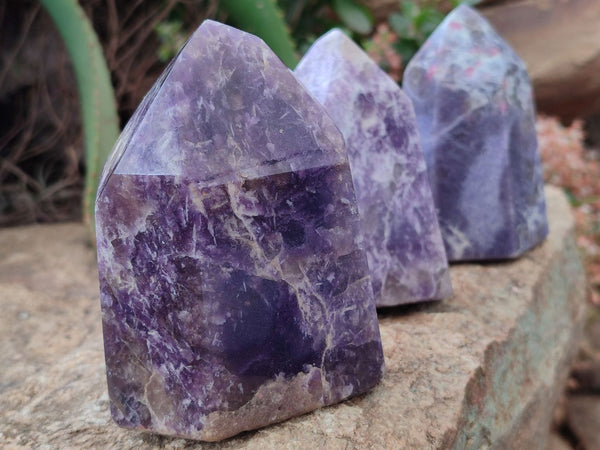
(476, 116)
(403, 241)
(235, 291)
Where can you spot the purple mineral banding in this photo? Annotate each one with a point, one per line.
(402, 236)
(234, 287)
(475, 111)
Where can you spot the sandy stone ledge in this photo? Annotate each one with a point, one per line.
(482, 370)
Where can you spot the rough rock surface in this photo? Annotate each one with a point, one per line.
(481, 369)
(406, 255)
(557, 442)
(234, 287)
(583, 416)
(476, 117)
(560, 43)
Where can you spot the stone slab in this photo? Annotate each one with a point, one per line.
(480, 370)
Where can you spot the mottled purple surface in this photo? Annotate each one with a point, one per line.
(235, 291)
(403, 241)
(476, 116)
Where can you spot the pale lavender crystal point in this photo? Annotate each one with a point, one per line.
(403, 241)
(235, 291)
(476, 116)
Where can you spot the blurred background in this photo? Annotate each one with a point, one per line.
(48, 145)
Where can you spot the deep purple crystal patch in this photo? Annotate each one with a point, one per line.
(475, 111)
(404, 246)
(235, 291)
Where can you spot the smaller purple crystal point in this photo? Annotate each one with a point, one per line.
(404, 246)
(475, 111)
(235, 291)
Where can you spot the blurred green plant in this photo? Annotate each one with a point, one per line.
(97, 99)
(265, 19)
(356, 17)
(172, 36)
(285, 25)
(309, 19)
(415, 22)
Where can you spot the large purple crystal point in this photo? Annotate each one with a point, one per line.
(403, 241)
(476, 115)
(235, 291)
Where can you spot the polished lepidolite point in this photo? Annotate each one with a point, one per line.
(475, 111)
(404, 246)
(235, 290)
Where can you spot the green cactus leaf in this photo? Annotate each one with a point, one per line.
(264, 19)
(98, 106)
